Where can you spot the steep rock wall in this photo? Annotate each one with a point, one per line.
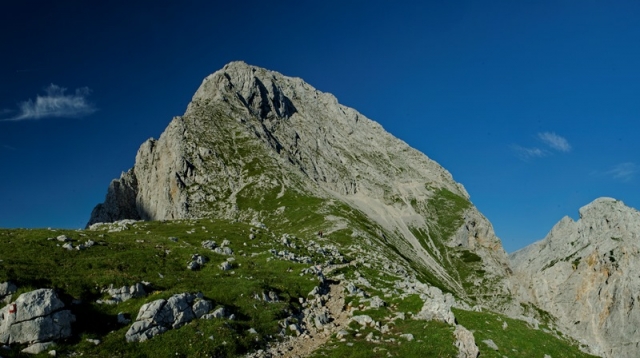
(585, 273)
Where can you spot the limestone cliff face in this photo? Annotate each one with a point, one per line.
(585, 273)
(251, 130)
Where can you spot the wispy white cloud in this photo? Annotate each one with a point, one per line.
(623, 171)
(555, 141)
(8, 147)
(528, 153)
(55, 104)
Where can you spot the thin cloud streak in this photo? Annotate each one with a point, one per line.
(528, 153)
(624, 171)
(55, 104)
(555, 141)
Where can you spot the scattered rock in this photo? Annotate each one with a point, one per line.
(376, 302)
(208, 244)
(407, 336)
(437, 307)
(158, 316)
(201, 307)
(37, 348)
(363, 320)
(197, 262)
(63, 238)
(124, 293)
(490, 344)
(218, 313)
(7, 288)
(174, 239)
(223, 251)
(465, 342)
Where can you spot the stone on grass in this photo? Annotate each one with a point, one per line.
(465, 342)
(161, 315)
(7, 288)
(490, 344)
(363, 320)
(38, 348)
(376, 302)
(407, 336)
(202, 307)
(63, 238)
(208, 244)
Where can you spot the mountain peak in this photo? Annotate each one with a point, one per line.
(584, 272)
(602, 206)
(251, 135)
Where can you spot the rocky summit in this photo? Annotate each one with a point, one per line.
(585, 273)
(251, 135)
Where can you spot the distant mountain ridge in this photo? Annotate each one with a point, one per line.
(250, 134)
(585, 274)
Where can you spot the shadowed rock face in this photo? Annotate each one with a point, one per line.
(120, 202)
(251, 129)
(585, 273)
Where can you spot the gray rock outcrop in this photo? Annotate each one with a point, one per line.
(35, 317)
(7, 289)
(249, 130)
(124, 293)
(465, 342)
(585, 273)
(159, 316)
(437, 306)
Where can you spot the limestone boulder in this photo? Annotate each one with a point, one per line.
(161, 315)
(36, 316)
(465, 342)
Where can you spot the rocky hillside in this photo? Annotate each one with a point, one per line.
(253, 140)
(271, 221)
(585, 273)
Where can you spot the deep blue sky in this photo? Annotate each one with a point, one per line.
(532, 105)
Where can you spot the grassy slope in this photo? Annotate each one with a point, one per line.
(144, 252)
(518, 339)
(32, 261)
